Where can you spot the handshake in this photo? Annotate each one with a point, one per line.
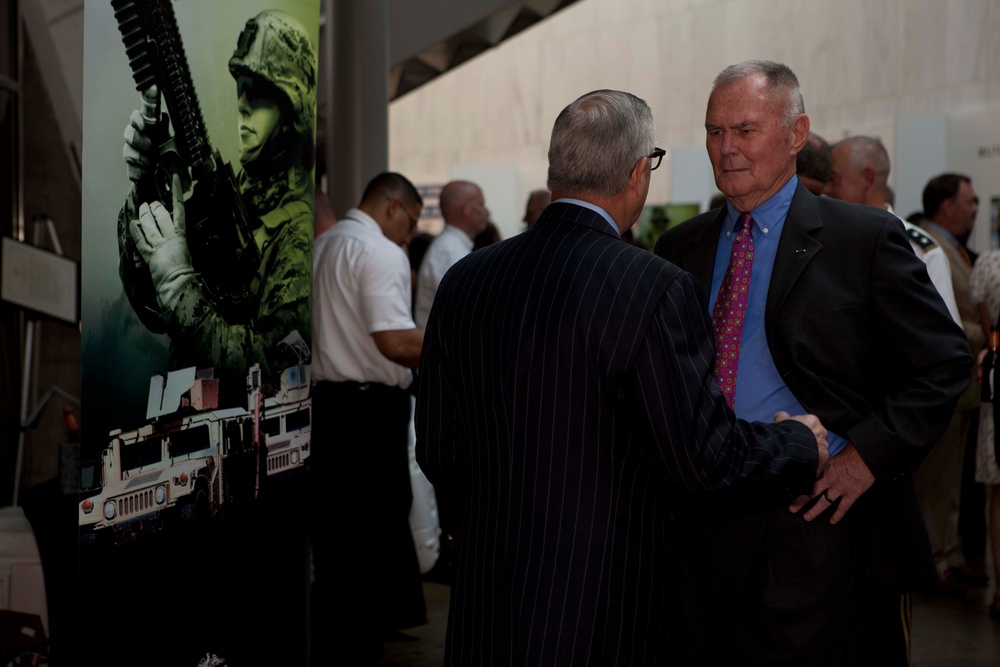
(839, 481)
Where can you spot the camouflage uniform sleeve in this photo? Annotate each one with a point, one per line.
(195, 324)
(286, 297)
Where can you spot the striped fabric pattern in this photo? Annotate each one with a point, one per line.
(566, 397)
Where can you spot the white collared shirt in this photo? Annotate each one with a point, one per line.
(937, 267)
(361, 284)
(451, 245)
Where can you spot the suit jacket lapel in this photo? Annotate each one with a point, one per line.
(796, 249)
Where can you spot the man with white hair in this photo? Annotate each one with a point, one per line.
(859, 175)
(819, 306)
(860, 170)
(566, 400)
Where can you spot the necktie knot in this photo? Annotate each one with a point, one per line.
(744, 222)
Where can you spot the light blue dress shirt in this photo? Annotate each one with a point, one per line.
(593, 207)
(760, 391)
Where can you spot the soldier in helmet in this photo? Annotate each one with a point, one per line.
(274, 67)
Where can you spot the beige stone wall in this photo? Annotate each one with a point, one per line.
(861, 64)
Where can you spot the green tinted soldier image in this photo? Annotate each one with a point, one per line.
(274, 68)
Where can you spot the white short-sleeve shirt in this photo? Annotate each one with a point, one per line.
(451, 245)
(361, 285)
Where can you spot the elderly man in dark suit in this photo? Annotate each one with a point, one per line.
(840, 319)
(566, 398)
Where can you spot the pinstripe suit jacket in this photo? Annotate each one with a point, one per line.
(566, 398)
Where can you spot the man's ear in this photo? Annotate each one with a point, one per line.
(639, 172)
(390, 208)
(869, 175)
(800, 132)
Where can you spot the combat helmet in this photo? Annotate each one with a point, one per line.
(276, 48)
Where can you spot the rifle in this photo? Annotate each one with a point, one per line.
(220, 238)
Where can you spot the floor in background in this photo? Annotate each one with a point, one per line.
(947, 632)
(427, 647)
(955, 632)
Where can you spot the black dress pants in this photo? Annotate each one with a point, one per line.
(762, 586)
(366, 568)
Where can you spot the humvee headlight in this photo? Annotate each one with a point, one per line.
(161, 495)
(295, 457)
(109, 510)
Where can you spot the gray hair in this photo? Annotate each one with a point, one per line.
(869, 152)
(778, 76)
(596, 142)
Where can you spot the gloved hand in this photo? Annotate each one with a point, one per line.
(162, 243)
(138, 150)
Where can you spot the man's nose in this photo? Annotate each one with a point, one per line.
(728, 146)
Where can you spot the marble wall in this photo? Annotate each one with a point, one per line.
(862, 64)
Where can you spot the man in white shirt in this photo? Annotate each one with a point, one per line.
(858, 175)
(463, 208)
(364, 345)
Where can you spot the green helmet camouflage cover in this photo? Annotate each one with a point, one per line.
(275, 47)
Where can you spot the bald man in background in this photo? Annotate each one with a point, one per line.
(463, 208)
(860, 171)
(859, 175)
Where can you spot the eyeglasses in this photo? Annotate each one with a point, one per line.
(655, 158)
(414, 219)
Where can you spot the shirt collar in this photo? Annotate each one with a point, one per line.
(462, 237)
(593, 207)
(363, 219)
(769, 216)
(927, 224)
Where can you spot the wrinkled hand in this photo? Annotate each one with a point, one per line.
(161, 238)
(818, 431)
(138, 150)
(846, 479)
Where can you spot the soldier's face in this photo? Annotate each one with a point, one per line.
(259, 120)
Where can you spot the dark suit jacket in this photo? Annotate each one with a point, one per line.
(863, 340)
(566, 397)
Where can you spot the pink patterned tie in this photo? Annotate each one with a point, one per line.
(730, 306)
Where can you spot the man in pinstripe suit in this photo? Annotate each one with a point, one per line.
(566, 397)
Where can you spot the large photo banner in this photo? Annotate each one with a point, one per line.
(198, 168)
